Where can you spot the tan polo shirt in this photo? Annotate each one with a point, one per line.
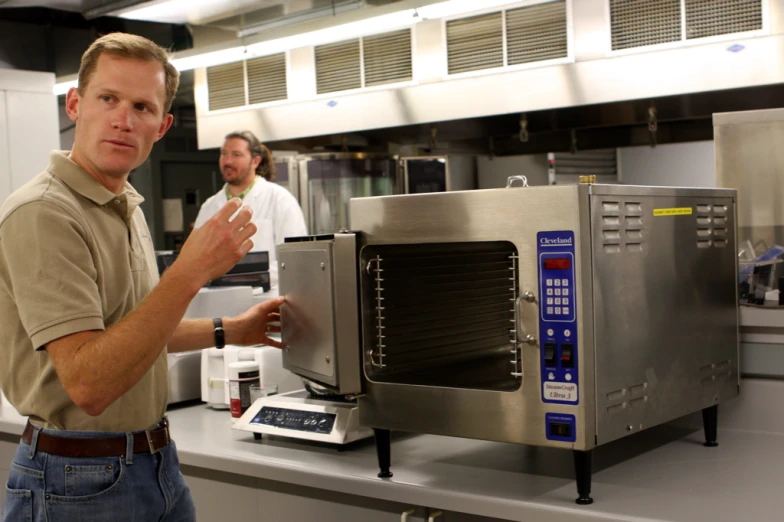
(73, 257)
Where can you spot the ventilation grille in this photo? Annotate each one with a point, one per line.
(636, 23)
(374, 60)
(632, 397)
(712, 225)
(338, 67)
(566, 168)
(532, 34)
(622, 226)
(387, 58)
(226, 85)
(716, 17)
(475, 43)
(718, 371)
(259, 80)
(267, 79)
(536, 33)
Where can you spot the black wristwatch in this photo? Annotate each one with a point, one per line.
(220, 337)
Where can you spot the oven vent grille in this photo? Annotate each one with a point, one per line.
(632, 397)
(718, 371)
(622, 226)
(711, 225)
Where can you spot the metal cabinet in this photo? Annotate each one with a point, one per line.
(422, 174)
(453, 516)
(426, 514)
(287, 173)
(221, 496)
(328, 182)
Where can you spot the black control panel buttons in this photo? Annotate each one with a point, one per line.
(550, 354)
(567, 355)
(560, 429)
(298, 420)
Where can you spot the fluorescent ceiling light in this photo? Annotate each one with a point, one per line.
(378, 24)
(182, 63)
(304, 15)
(183, 11)
(63, 87)
(186, 63)
(457, 7)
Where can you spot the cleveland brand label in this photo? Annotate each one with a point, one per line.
(680, 211)
(560, 241)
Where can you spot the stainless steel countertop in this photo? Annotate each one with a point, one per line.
(661, 474)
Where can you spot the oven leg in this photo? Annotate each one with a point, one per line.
(384, 452)
(582, 471)
(710, 423)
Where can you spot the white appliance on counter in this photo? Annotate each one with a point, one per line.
(299, 415)
(185, 367)
(215, 372)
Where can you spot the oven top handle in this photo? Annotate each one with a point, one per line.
(511, 180)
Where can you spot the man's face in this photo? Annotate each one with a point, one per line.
(119, 116)
(236, 163)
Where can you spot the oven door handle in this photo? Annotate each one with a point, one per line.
(522, 336)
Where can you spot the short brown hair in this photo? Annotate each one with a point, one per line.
(266, 168)
(129, 46)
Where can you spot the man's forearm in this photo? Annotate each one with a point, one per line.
(196, 334)
(192, 334)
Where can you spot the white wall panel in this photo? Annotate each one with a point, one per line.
(29, 126)
(33, 132)
(671, 165)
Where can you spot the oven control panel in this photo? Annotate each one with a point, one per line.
(298, 420)
(558, 317)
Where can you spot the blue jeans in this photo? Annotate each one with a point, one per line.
(139, 487)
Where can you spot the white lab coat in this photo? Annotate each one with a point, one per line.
(276, 213)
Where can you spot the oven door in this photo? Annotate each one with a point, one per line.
(320, 318)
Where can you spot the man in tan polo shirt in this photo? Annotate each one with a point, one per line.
(86, 325)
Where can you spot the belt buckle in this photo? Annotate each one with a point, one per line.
(151, 444)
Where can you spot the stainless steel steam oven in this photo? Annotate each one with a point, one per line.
(562, 316)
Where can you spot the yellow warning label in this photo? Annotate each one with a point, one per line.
(681, 211)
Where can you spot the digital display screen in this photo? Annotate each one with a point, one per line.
(557, 263)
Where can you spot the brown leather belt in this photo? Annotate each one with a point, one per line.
(150, 441)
